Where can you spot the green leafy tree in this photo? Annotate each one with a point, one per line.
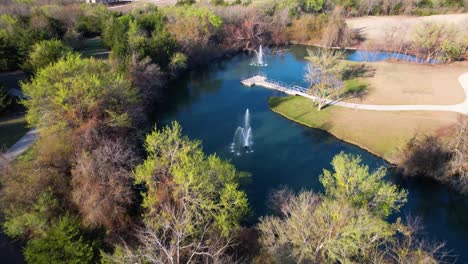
(9, 54)
(45, 53)
(63, 243)
(345, 225)
(192, 202)
(91, 21)
(31, 187)
(143, 33)
(314, 5)
(35, 221)
(115, 35)
(323, 74)
(312, 230)
(77, 92)
(353, 182)
(180, 162)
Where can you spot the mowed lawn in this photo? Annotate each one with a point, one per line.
(382, 133)
(12, 128)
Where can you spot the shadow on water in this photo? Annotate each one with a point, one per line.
(210, 104)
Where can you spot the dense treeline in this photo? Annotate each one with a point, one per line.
(24, 25)
(89, 192)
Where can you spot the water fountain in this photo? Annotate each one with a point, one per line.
(259, 54)
(243, 140)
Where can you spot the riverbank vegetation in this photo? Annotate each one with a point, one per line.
(102, 185)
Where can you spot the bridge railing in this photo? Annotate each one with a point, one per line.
(286, 86)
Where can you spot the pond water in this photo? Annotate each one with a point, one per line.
(210, 104)
(374, 56)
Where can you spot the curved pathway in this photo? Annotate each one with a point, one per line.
(458, 108)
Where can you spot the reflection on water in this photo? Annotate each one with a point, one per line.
(210, 104)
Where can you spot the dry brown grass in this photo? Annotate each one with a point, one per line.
(382, 133)
(374, 28)
(410, 83)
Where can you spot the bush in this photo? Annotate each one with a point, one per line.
(63, 243)
(45, 53)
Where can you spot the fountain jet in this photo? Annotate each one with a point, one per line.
(259, 55)
(243, 140)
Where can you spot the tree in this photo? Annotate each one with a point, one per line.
(353, 182)
(315, 230)
(314, 5)
(459, 157)
(9, 53)
(35, 187)
(337, 33)
(45, 53)
(438, 42)
(192, 203)
(63, 243)
(102, 185)
(142, 33)
(83, 95)
(323, 74)
(147, 77)
(246, 28)
(34, 222)
(194, 28)
(344, 225)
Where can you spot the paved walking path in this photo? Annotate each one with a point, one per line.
(20, 146)
(297, 90)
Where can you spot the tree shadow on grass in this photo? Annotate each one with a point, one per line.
(360, 70)
(425, 156)
(276, 101)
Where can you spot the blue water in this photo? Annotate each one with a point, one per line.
(210, 103)
(374, 56)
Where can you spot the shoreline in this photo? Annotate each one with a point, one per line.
(388, 160)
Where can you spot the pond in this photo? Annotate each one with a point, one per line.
(374, 56)
(210, 104)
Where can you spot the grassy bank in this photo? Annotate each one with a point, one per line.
(381, 133)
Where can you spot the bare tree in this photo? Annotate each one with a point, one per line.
(459, 161)
(337, 33)
(323, 74)
(245, 28)
(102, 185)
(172, 238)
(147, 77)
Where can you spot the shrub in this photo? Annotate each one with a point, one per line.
(45, 53)
(63, 243)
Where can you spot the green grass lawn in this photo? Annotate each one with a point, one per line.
(382, 133)
(94, 47)
(300, 109)
(12, 128)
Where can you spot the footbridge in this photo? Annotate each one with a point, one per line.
(263, 81)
